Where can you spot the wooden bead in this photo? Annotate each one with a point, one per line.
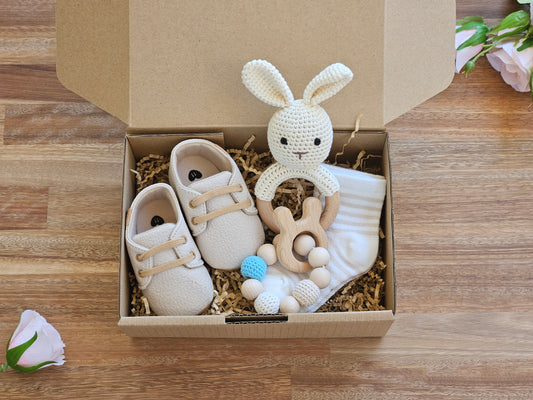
(289, 304)
(303, 244)
(268, 253)
(251, 288)
(267, 303)
(321, 277)
(318, 257)
(306, 292)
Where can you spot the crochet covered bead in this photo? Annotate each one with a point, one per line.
(253, 267)
(306, 292)
(276, 174)
(267, 303)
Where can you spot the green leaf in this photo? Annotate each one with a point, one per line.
(31, 369)
(517, 20)
(526, 44)
(471, 25)
(524, 1)
(477, 38)
(469, 19)
(509, 34)
(13, 355)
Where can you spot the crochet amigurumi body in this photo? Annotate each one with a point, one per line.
(300, 133)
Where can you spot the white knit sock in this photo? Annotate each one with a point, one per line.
(353, 237)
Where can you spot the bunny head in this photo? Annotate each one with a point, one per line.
(300, 133)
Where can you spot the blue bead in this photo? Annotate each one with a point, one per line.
(253, 267)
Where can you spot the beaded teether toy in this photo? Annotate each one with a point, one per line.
(304, 294)
(300, 135)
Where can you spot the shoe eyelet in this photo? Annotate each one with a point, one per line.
(191, 205)
(139, 258)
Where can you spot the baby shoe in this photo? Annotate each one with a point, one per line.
(216, 203)
(165, 259)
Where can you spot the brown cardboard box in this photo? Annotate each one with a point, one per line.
(171, 70)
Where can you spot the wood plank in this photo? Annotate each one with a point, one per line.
(35, 49)
(94, 245)
(27, 12)
(429, 356)
(23, 207)
(84, 208)
(2, 120)
(186, 381)
(33, 83)
(494, 9)
(65, 165)
(77, 297)
(15, 265)
(73, 123)
(468, 106)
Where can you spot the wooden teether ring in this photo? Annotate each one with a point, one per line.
(290, 229)
(326, 218)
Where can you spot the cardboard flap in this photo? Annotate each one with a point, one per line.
(163, 64)
(419, 53)
(187, 57)
(93, 52)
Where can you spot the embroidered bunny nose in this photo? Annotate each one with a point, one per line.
(300, 153)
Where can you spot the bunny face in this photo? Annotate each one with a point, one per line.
(300, 135)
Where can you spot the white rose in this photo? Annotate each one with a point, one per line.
(44, 350)
(464, 55)
(515, 66)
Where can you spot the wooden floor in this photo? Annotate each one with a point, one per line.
(463, 200)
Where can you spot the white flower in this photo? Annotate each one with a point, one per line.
(515, 66)
(46, 349)
(466, 54)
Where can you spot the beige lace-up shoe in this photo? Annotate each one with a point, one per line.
(165, 259)
(216, 203)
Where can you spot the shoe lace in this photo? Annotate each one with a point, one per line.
(221, 211)
(143, 273)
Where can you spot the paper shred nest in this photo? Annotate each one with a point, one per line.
(365, 293)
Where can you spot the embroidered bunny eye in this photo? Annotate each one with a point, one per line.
(317, 141)
(283, 140)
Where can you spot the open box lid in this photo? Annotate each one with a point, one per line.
(163, 64)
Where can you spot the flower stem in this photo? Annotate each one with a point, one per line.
(3, 367)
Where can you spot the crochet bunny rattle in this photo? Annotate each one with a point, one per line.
(299, 135)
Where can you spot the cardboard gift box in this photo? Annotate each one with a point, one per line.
(171, 69)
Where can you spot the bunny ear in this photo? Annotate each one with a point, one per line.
(327, 83)
(266, 83)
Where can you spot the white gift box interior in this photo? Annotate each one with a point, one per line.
(171, 69)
